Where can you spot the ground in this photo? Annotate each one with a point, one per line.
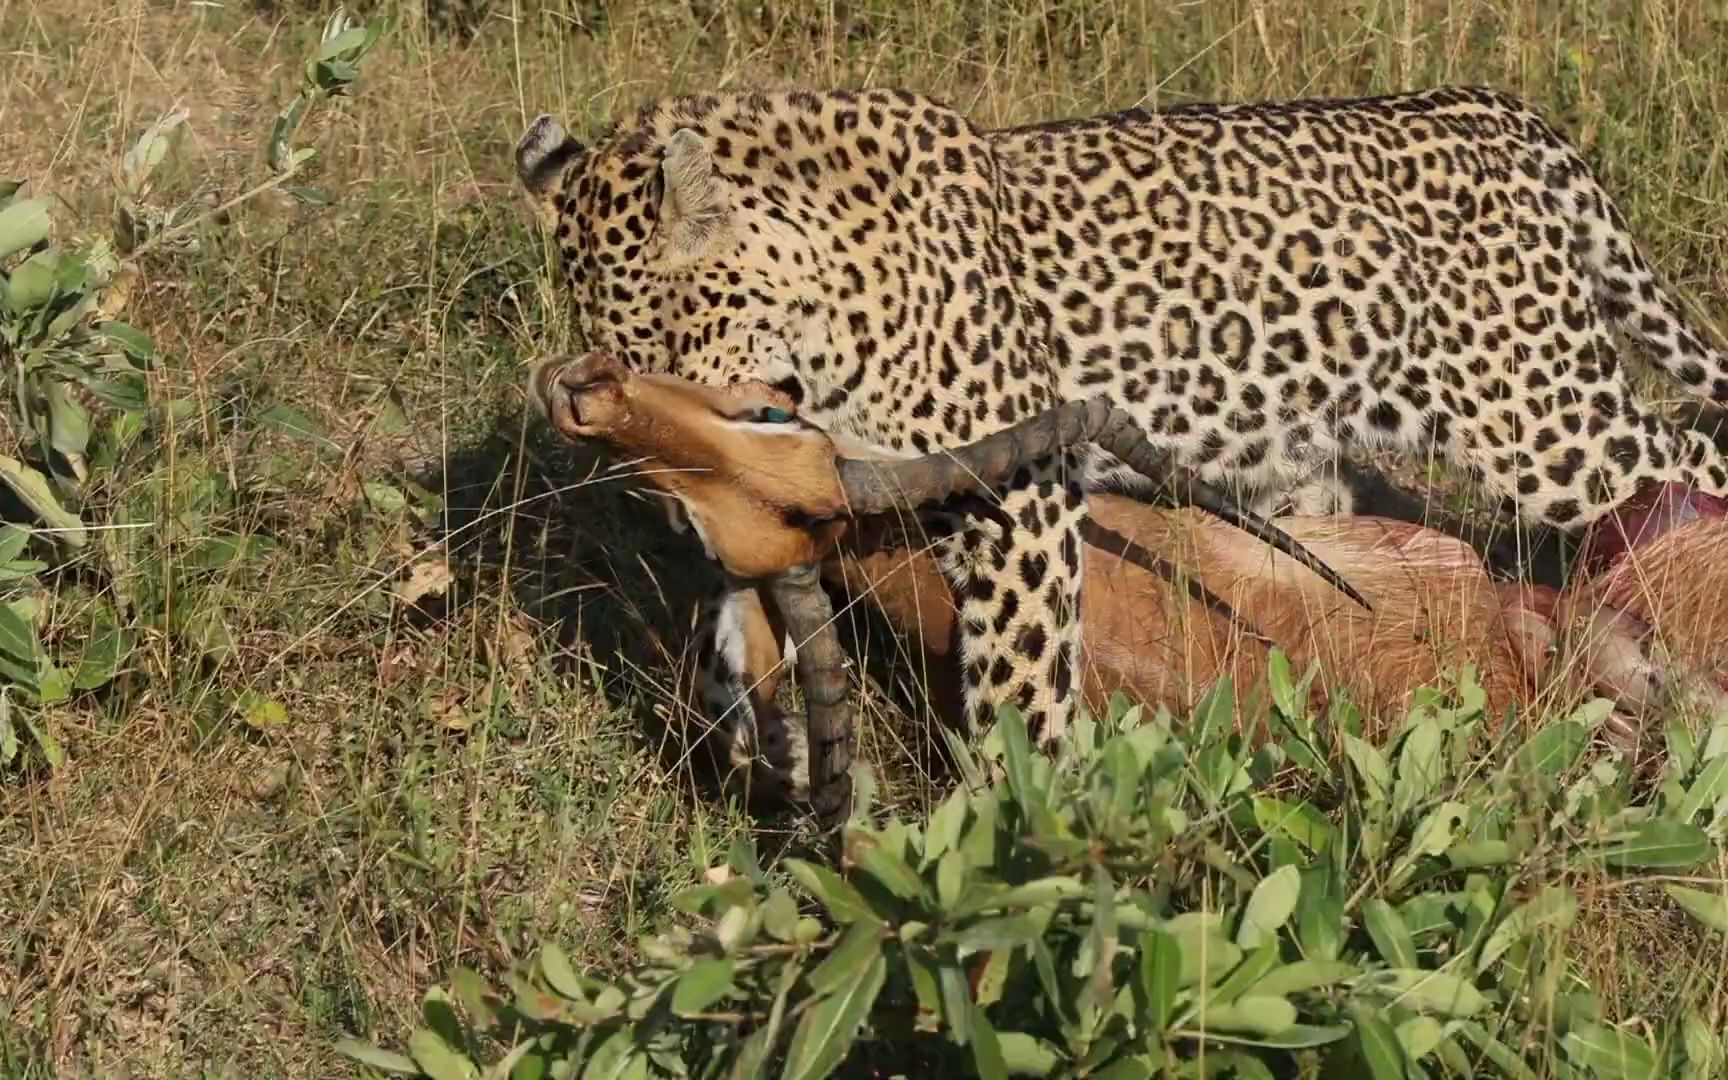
(209, 887)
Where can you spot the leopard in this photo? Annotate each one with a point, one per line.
(1264, 285)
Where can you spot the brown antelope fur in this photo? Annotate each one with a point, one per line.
(762, 494)
(1148, 633)
(1669, 598)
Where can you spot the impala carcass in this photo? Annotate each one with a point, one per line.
(1174, 598)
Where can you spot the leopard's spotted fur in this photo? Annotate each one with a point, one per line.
(1261, 283)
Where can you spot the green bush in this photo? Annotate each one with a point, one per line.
(1160, 900)
(76, 429)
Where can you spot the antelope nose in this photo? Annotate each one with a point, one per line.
(574, 388)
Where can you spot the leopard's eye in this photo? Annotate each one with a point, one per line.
(772, 415)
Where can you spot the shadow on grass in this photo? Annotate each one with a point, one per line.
(560, 528)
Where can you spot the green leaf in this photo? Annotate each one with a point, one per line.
(8, 734)
(1434, 835)
(23, 224)
(135, 342)
(288, 419)
(218, 551)
(52, 685)
(845, 904)
(706, 982)
(437, 1059)
(439, 1012)
(888, 869)
(1550, 752)
(32, 487)
(32, 284)
(261, 712)
(68, 422)
(333, 47)
(1372, 1051)
(13, 540)
(1660, 843)
(1419, 1035)
(1283, 689)
(1304, 975)
(1370, 766)
(1553, 906)
(1160, 975)
(956, 1002)
(1202, 942)
(1391, 937)
(560, 976)
(1016, 753)
(102, 657)
(1298, 821)
(986, 1050)
(1609, 1051)
(150, 150)
(203, 629)
(1429, 991)
(1008, 932)
(1420, 766)
(1704, 1049)
(1504, 1057)
(1709, 908)
(1215, 715)
(780, 915)
(127, 393)
(1269, 907)
(978, 846)
(1294, 1037)
(825, 1032)
(1026, 1055)
(310, 195)
(1710, 785)
(45, 741)
(615, 1058)
(383, 1060)
(1471, 855)
(1319, 915)
(947, 826)
(1254, 967)
(18, 636)
(1044, 890)
(858, 948)
(1261, 1016)
(950, 879)
(1137, 1067)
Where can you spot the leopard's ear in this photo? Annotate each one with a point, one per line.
(693, 206)
(545, 154)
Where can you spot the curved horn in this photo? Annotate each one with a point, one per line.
(877, 486)
(821, 668)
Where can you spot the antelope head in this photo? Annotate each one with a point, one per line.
(771, 495)
(760, 487)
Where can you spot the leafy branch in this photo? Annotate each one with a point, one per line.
(77, 376)
(1158, 900)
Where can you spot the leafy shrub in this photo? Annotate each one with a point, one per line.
(79, 405)
(1158, 899)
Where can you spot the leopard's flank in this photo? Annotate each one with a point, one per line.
(1260, 285)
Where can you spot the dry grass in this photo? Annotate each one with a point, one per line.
(191, 896)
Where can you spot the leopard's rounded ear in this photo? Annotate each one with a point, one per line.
(544, 155)
(693, 206)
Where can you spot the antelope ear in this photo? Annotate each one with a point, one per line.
(693, 206)
(545, 155)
